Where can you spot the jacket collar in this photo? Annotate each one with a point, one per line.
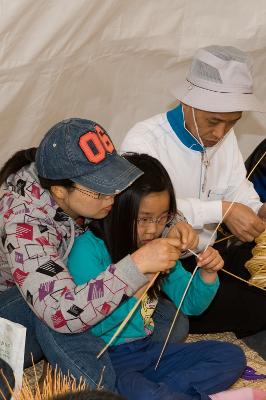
(176, 120)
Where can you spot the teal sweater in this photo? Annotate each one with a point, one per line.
(89, 257)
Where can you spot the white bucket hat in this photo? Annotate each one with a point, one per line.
(220, 80)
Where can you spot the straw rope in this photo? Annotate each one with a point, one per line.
(257, 264)
(224, 238)
(243, 280)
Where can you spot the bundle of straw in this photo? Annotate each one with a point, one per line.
(257, 264)
(55, 383)
(58, 387)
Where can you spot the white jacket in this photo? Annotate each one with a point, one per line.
(225, 176)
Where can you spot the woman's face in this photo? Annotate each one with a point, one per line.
(152, 216)
(79, 201)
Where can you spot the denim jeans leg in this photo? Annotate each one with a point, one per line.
(77, 354)
(203, 367)
(163, 318)
(14, 308)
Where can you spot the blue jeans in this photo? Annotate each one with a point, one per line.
(187, 371)
(77, 352)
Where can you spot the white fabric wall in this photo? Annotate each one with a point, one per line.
(114, 61)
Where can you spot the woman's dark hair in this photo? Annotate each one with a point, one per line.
(25, 157)
(119, 228)
(16, 162)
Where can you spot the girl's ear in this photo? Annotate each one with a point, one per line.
(58, 192)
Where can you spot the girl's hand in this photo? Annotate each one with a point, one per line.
(186, 234)
(210, 261)
(159, 255)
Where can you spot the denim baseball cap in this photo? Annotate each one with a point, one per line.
(82, 151)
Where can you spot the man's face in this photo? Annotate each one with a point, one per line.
(212, 126)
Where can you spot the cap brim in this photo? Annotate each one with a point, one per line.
(112, 178)
(212, 101)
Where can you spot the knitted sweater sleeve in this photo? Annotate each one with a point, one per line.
(199, 295)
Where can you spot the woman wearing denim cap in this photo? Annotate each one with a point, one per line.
(75, 172)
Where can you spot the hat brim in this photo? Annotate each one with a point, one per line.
(212, 101)
(112, 178)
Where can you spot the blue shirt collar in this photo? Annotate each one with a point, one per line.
(175, 118)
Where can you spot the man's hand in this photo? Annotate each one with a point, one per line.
(262, 212)
(186, 234)
(157, 256)
(242, 221)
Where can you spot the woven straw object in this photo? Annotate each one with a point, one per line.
(257, 264)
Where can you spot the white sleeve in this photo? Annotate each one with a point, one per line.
(199, 212)
(132, 143)
(239, 188)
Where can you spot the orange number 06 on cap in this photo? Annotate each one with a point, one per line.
(95, 145)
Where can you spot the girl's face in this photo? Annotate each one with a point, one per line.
(152, 216)
(79, 201)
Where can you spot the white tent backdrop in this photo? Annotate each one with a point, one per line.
(114, 61)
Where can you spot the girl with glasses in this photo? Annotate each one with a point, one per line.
(140, 216)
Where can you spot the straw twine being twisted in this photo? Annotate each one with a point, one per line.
(257, 264)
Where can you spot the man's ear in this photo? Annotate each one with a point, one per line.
(58, 192)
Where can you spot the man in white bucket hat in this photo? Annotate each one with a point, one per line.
(220, 80)
(196, 144)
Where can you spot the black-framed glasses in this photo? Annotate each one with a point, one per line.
(163, 220)
(94, 195)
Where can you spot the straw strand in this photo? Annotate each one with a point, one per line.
(129, 315)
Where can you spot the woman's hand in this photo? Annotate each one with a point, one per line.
(159, 255)
(210, 262)
(186, 234)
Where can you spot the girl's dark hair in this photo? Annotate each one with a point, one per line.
(88, 395)
(25, 157)
(119, 228)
